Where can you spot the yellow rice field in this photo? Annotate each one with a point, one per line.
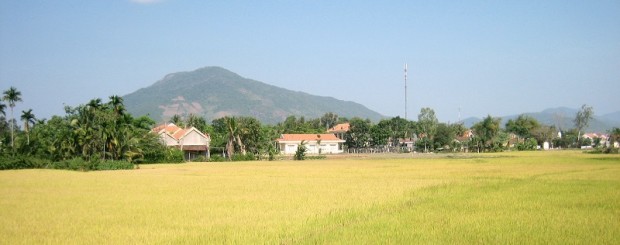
(527, 198)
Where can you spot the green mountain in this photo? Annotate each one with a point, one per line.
(214, 92)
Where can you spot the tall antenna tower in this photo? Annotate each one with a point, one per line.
(405, 91)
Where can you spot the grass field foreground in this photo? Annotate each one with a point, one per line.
(534, 197)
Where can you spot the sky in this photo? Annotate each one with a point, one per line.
(465, 58)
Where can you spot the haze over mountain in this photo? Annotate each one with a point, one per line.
(214, 92)
(562, 117)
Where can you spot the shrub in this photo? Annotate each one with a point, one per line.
(217, 158)
(316, 157)
(76, 164)
(240, 157)
(300, 153)
(22, 162)
(174, 155)
(199, 159)
(114, 165)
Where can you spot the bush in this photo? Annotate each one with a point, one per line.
(315, 157)
(217, 158)
(174, 155)
(240, 157)
(300, 153)
(529, 145)
(83, 165)
(114, 165)
(76, 164)
(199, 159)
(22, 162)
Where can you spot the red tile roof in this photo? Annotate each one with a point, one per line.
(343, 127)
(308, 137)
(174, 131)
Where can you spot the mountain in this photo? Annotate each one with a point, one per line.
(214, 92)
(613, 117)
(562, 117)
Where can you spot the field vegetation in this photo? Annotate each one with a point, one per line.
(560, 197)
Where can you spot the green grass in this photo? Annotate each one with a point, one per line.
(524, 198)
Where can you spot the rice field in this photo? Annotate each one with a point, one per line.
(561, 197)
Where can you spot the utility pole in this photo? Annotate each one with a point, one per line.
(406, 91)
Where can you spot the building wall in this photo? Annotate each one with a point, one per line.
(194, 138)
(168, 140)
(326, 147)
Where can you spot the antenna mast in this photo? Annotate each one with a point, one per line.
(405, 91)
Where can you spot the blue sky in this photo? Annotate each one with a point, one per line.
(485, 57)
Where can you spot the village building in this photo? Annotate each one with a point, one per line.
(314, 143)
(340, 130)
(190, 140)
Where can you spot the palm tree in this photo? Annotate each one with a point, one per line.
(2, 108)
(117, 105)
(233, 136)
(12, 96)
(28, 119)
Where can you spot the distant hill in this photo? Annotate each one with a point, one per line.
(562, 117)
(214, 92)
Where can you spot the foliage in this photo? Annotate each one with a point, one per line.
(114, 165)
(379, 135)
(315, 157)
(83, 165)
(582, 119)
(358, 135)
(486, 132)
(217, 158)
(300, 153)
(200, 159)
(444, 136)
(174, 155)
(11, 96)
(22, 162)
(528, 145)
(427, 125)
(523, 126)
(243, 157)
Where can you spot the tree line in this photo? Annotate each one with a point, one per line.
(91, 135)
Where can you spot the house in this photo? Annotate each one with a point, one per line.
(340, 130)
(191, 141)
(604, 139)
(314, 143)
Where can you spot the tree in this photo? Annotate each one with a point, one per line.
(2, 108)
(427, 122)
(329, 120)
(229, 128)
(523, 126)
(116, 102)
(11, 96)
(379, 135)
(28, 119)
(358, 134)
(444, 136)
(486, 131)
(614, 136)
(582, 119)
(300, 153)
(177, 120)
(196, 121)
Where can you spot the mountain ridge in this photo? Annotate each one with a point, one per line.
(214, 92)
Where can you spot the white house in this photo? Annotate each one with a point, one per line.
(314, 143)
(190, 140)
